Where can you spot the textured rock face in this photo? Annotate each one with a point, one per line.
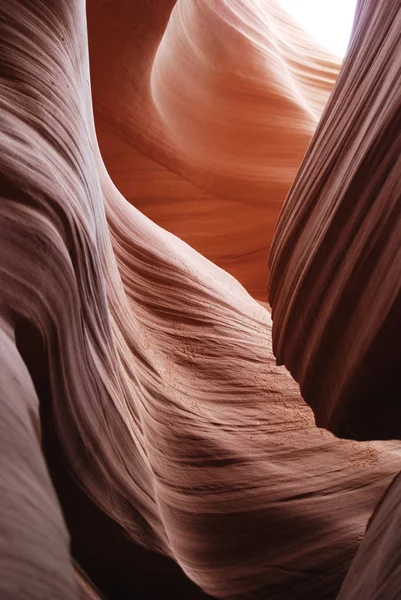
(380, 550)
(203, 116)
(336, 258)
(143, 414)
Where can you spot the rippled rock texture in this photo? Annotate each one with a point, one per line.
(148, 440)
(336, 256)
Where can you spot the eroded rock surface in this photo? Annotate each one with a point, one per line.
(142, 410)
(203, 112)
(336, 256)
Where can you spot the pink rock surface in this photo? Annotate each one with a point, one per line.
(148, 441)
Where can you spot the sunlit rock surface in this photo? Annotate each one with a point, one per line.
(148, 441)
(203, 113)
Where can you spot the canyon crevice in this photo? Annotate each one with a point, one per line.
(149, 440)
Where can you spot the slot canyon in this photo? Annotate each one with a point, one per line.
(200, 303)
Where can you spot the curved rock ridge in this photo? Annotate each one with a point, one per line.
(204, 115)
(140, 376)
(380, 549)
(336, 256)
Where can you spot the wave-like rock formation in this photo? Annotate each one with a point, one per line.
(380, 549)
(203, 117)
(336, 266)
(336, 257)
(148, 440)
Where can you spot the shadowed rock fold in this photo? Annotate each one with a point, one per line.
(336, 256)
(148, 440)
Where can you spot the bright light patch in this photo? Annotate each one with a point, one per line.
(329, 22)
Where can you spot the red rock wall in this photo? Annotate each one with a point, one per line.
(148, 440)
(203, 114)
(336, 259)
